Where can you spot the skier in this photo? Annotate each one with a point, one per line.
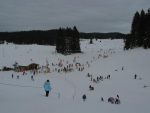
(12, 76)
(102, 99)
(17, 76)
(84, 97)
(135, 76)
(122, 68)
(32, 78)
(47, 87)
(118, 96)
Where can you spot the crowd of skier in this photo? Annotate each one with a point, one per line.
(62, 66)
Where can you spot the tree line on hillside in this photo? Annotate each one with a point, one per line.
(30, 37)
(49, 37)
(140, 31)
(68, 41)
(113, 35)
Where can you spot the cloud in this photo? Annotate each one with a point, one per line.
(87, 15)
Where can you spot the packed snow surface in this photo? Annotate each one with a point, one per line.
(102, 58)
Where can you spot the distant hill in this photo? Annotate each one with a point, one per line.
(49, 37)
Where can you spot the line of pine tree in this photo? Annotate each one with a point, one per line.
(140, 31)
(68, 41)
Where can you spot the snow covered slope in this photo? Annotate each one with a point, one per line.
(103, 58)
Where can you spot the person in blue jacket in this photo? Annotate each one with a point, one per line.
(47, 87)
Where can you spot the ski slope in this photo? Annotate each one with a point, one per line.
(104, 57)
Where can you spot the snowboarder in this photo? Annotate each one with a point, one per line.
(47, 87)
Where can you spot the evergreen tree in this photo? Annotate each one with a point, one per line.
(76, 41)
(135, 23)
(140, 31)
(68, 41)
(147, 30)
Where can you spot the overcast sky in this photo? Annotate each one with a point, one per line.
(87, 15)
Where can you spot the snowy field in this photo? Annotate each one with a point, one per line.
(103, 58)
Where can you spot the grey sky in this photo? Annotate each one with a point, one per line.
(87, 15)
